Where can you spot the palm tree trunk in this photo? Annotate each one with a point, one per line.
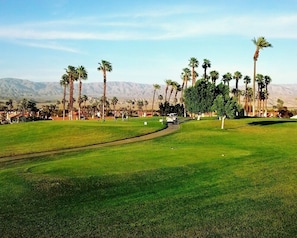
(104, 95)
(79, 99)
(64, 102)
(193, 76)
(70, 99)
(254, 87)
(153, 102)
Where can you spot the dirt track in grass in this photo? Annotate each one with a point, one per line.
(168, 130)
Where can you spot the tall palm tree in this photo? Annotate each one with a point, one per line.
(260, 82)
(206, 64)
(177, 88)
(237, 76)
(156, 87)
(104, 66)
(82, 75)
(168, 83)
(246, 80)
(260, 43)
(72, 76)
(214, 75)
(186, 76)
(193, 63)
(64, 82)
(227, 78)
(173, 87)
(267, 81)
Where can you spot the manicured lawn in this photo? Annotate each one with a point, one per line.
(52, 135)
(198, 182)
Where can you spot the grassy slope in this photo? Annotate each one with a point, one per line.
(52, 135)
(200, 181)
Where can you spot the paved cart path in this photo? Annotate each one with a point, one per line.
(168, 130)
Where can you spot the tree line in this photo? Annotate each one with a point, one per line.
(200, 97)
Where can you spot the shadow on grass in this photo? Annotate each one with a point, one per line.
(267, 123)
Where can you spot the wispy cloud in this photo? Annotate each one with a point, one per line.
(49, 45)
(176, 22)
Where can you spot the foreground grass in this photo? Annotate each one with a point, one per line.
(41, 136)
(198, 182)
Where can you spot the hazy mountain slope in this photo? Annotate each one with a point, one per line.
(19, 88)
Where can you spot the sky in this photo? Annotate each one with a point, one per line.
(146, 41)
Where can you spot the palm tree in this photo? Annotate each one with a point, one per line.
(193, 63)
(64, 82)
(82, 75)
(168, 83)
(156, 87)
(246, 81)
(214, 75)
(84, 99)
(114, 102)
(260, 43)
(260, 82)
(145, 105)
(23, 105)
(173, 87)
(186, 76)
(72, 76)
(237, 76)
(104, 66)
(267, 81)
(9, 104)
(160, 98)
(227, 78)
(206, 64)
(178, 88)
(140, 105)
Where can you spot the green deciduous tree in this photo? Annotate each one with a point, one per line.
(200, 97)
(225, 107)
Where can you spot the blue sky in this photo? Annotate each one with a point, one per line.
(146, 41)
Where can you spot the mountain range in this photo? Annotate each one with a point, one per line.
(51, 91)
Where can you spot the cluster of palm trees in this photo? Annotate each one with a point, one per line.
(67, 80)
(78, 74)
(250, 94)
(260, 43)
(173, 88)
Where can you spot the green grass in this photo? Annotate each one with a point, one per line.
(52, 135)
(198, 182)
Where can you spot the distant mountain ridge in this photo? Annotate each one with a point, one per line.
(21, 88)
(45, 91)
